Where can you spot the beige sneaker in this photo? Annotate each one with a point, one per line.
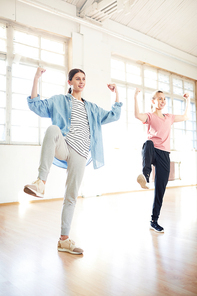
(68, 245)
(142, 181)
(35, 189)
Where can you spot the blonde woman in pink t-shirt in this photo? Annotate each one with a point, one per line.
(156, 149)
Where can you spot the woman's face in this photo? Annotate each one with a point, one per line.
(160, 101)
(78, 82)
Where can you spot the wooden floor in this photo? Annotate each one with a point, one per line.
(122, 256)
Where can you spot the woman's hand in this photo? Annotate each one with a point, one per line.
(39, 72)
(113, 88)
(184, 116)
(186, 96)
(137, 91)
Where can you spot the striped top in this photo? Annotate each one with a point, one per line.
(78, 136)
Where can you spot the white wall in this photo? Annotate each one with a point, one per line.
(91, 50)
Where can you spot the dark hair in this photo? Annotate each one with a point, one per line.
(71, 74)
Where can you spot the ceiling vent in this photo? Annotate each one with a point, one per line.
(99, 11)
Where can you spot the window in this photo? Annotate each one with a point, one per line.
(2, 99)
(30, 50)
(2, 82)
(128, 76)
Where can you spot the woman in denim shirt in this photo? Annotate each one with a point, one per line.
(76, 129)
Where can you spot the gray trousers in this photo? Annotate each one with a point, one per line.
(54, 144)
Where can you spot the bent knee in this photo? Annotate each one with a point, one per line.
(53, 130)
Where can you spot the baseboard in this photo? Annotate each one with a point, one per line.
(103, 194)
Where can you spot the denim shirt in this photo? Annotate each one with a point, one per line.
(59, 108)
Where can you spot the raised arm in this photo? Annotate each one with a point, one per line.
(34, 92)
(141, 116)
(185, 116)
(113, 88)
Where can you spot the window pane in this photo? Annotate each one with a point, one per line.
(45, 122)
(2, 116)
(189, 135)
(43, 131)
(178, 138)
(190, 125)
(178, 106)
(21, 86)
(117, 74)
(156, 79)
(2, 82)
(24, 134)
(52, 45)
(49, 90)
(191, 94)
(134, 79)
(133, 69)
(22, 71)
(122, 93)
(165, 78)
(193, 116)
(19, 102)
(118, 70)
(151, 74)
(2, 99)
(178, 133)
(53, 58)
(24, 118)
(130, 106)
(164, 87)
(55, 77)
(179, 125)
(188, 86)
(118, 65)
(140, 101)
(168, 107)
(134, 131)
(123, 118)
(150, 78)
(2, 132)
(192, 107)
(150, 83)
(2, 67)
(177, 90)
(26, 38)
(148, 98)
(26, 51)
(2, 45)
(2, 31)
(177, 82)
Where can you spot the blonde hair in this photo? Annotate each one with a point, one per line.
(155, 93)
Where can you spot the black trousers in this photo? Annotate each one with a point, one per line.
(161, 160)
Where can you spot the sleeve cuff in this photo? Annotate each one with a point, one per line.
(119, 104)
(34, 99)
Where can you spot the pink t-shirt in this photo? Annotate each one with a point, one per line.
(158, 130)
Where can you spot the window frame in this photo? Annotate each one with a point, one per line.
(146, 89)
(8, 56)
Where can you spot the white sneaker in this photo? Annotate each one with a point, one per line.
(36, 188)
(142, 181)
(68, 245)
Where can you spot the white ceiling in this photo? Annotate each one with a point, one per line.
(173, 22)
